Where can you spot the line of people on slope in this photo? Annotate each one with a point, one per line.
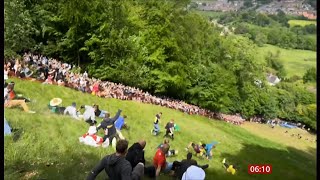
(126, 164)
(52, 71)
(111, 126)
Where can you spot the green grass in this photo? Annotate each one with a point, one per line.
(53, 140)
(296, 62)
(301, 22)
(213, 14)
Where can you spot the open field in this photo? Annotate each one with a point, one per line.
(48, 146)
(296, 62)
(301, 22)
(212, 14)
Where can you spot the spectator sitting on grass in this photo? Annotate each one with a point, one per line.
(116, 166)
(89, 114)
(159, 161)
(54, 106)
(135, 153)
(171, 152)
(72, 111)
(8, 102)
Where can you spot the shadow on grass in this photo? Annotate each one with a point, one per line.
(74, 166)
(290, 164)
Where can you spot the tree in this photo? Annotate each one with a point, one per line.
(274, 62)
(18, 28)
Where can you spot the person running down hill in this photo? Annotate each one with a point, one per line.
(169, 129)
(107, 124)
(156, 128)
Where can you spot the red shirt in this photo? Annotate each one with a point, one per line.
(159, 159)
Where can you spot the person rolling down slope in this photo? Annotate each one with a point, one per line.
(230, 168)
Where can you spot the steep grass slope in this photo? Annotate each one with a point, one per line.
(48, 147)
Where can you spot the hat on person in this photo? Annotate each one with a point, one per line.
(194, 172)
(55, 101)
(92, 130)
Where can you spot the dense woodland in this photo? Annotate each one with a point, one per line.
(161, 47)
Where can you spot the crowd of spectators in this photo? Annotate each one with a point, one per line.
(52, 71)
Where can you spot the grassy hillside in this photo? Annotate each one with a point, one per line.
(48, 147)
(296, 62)
(301, 22)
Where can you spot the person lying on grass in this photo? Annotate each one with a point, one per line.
(98, 112)
(72, 111)
(120, 123)
(230, 168)
(90, 138)
(171, 152)
(116, 166)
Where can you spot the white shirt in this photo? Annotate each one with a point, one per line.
(89, 113)
(5, 95)
(72, 111)
(5, 74)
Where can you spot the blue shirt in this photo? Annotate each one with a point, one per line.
(119, 123)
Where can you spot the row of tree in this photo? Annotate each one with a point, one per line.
(272, 29)
(157, 45)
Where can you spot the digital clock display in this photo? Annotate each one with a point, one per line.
(259, 169)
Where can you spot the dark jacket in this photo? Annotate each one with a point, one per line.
(108, 123)
(116, 167)
(183, 166)
(135, 155)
